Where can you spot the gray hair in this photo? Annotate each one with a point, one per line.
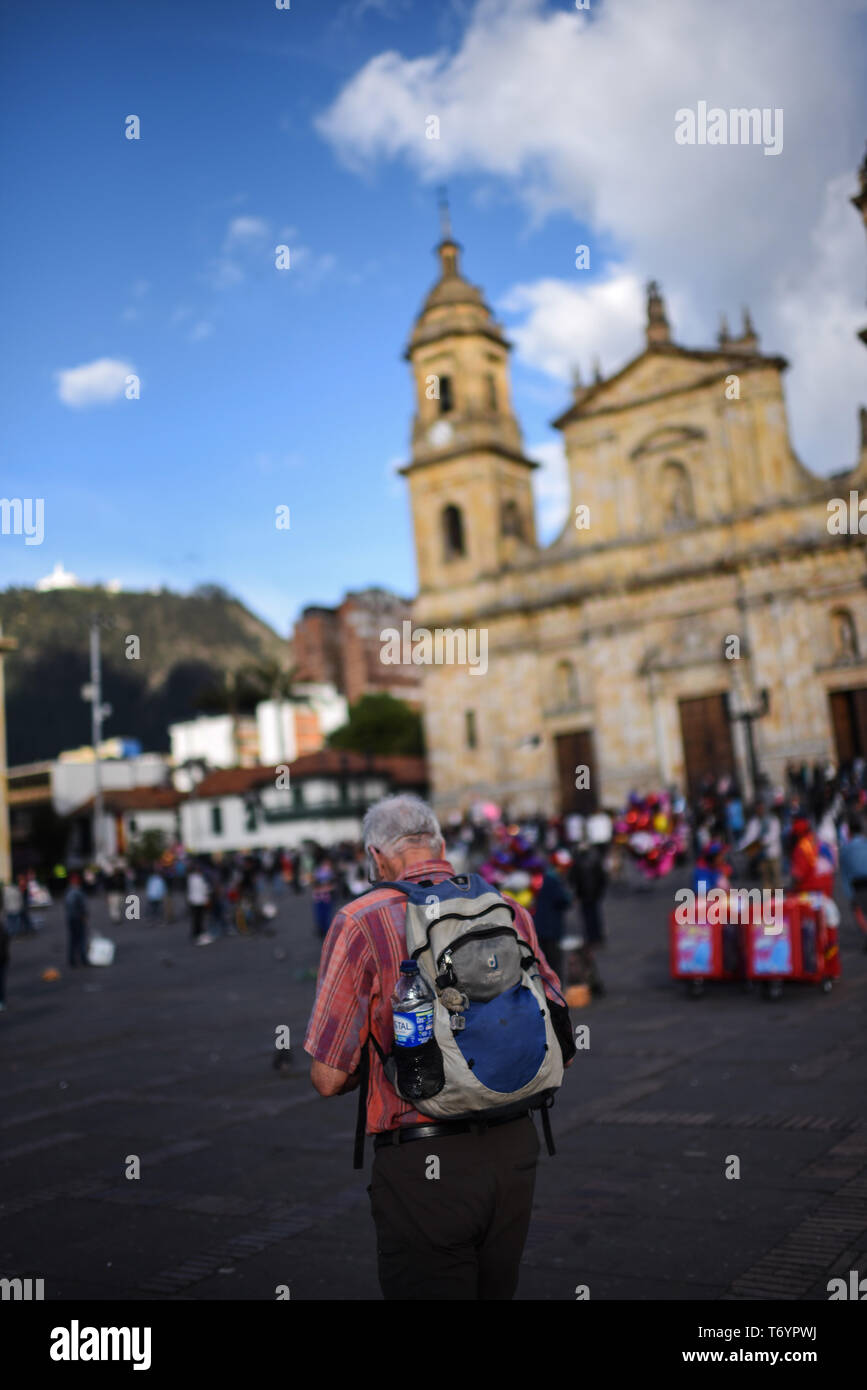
(397, 822)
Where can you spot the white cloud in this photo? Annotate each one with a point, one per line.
(201, 330)
(246, 229)
(567, 325)
(576, 115)
(93, 383)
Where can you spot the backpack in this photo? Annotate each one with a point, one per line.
(502, 1043)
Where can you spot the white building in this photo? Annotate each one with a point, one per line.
(290, 728)
(127, 815)
(245, 809)
(218, 740)
(59, 578)
(74, 782)
(279, 732)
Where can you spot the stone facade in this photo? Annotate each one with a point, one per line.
(696, 579)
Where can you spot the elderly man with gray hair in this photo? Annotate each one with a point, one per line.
(454, 1229)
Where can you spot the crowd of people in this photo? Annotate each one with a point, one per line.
(802, 836)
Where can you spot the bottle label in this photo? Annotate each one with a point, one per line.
(413, 1029)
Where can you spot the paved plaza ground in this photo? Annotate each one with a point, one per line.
(246, 1174)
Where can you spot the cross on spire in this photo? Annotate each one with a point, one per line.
(445, 215)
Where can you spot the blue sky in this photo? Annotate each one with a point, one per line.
(305, 127)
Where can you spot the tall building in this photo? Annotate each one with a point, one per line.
(343, 646)
(698, 614)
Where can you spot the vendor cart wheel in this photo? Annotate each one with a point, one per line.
(695, 989)
(773, 989)
(827, 986)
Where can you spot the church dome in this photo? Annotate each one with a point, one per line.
(453, 306)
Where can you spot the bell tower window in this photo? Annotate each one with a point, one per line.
(447, 400)
(491, 383)
(510, 520)
(454, 544)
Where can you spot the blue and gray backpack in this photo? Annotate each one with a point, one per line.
(502, 1042)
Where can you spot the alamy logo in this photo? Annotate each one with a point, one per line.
(740, 126)
(22, 1290)
(23, 516)
(76, 1343)
(444, 646)
(719, 906)
(857, 1289)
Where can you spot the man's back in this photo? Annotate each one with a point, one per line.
(75, 904)
(358, 973)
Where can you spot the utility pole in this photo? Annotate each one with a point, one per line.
(98, 712)
(7, 644)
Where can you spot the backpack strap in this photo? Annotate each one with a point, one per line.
(546, 1105)
(363, 1087)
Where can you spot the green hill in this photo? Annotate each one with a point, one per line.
(187, 643)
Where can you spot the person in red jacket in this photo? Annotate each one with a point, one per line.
(811, 871)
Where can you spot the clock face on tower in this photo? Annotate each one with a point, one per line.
(440, 434)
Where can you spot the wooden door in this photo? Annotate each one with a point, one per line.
(707, 740)
(576, 751)
(849, 718)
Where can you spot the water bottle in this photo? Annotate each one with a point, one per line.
(418, 1058)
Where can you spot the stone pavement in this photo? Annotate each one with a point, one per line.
(246, 1174)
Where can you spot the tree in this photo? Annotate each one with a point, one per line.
(380, 724)
(147, 849)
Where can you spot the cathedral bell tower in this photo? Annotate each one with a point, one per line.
(470, 491)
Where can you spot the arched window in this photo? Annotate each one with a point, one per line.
(844, 635)
(678, 507)
(491, 383)
(447, 400)
(566, 683)
(453, 532)
(470, 731)
(511, 523)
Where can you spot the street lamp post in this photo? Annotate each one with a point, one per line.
(741, 711)
(7, 644)
(98, 712)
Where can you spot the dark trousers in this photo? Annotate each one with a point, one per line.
(77, 933)
(551, 951)
(458, 1236)
(197, 918)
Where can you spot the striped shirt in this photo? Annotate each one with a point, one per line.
(358, 972)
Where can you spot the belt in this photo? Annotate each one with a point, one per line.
(406, 1133)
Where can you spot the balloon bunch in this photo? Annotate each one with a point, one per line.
(654, 834)
(514, 866)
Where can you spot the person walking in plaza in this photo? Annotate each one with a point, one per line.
(4, 961)
(12, 907)
(116, 888)
(589, 880)
(324, 894)
(156, 895)
(198, 896)
(810, 870)
(75, 907)
(462, 1236)
(552, 900)
(853, 872)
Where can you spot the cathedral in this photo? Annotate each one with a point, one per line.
(696, 615)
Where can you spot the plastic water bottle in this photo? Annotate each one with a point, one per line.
(418, 1058)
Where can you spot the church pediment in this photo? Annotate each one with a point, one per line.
(667, 439)
(653, 373)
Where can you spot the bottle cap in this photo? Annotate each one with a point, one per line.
(409, 967)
